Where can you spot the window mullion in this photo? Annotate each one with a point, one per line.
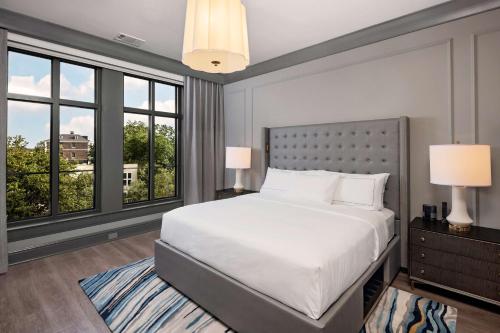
(54, 149)
(152, 168)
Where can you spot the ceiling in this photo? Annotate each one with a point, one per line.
(275, 27)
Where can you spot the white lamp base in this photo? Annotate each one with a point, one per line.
(459, 218)
(238, 184)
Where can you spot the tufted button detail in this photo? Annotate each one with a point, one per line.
(284, 135)
(285, 157)
(328, 158)
(367, 146)
(294, 135)
(304, 135)
(340, 158)
(367, 132)
(383, 132)
(275, 136)
(315, 135)
(339, 133)
(285, 146)
(353, 133)
(353, 145)
(327, 146)
(353, 159)
(340, 146)
(340, 170)
(295, 157)
(327, 134)
(315, 158)
(276, 146)
(304, 146)
(275, 156)
(294, 168)
(368, 160)
(383, 160)
(304, 158)
(383, 146)
(294, 146)
(315, 146)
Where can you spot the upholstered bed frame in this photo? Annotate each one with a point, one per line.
(371, 146)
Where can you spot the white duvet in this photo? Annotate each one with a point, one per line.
(304, 255)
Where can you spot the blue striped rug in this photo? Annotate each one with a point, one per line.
(132, 298)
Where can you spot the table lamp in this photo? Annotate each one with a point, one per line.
(460, 166)
(238, 158)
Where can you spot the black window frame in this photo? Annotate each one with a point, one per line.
(55, 102)
(152, 113)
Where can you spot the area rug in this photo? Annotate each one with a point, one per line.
(132, 298)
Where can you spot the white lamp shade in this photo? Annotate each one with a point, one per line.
(215, 36)
(238, 157)
(460, 165)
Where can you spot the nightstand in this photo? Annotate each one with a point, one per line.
(229, 193)
(467, 263)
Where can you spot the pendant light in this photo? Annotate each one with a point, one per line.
(215, 36)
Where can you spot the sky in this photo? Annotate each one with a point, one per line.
(30, 75)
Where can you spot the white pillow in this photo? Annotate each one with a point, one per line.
(300, 185)
(313, 187)
(360, 190)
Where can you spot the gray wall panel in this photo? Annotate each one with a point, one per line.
(426, 75)
(487, 86)
(111, 141)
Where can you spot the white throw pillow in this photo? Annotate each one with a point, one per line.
(360, 190)
(300, 185)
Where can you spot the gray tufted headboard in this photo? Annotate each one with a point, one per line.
(371, 146)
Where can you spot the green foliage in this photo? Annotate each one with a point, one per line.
(136, 151)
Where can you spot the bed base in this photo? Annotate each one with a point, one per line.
(247, 310)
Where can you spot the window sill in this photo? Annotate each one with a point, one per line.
(34, 229)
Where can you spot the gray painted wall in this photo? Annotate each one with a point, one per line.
(445, 78)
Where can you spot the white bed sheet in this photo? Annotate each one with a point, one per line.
(304, 255)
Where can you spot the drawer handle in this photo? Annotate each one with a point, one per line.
(422, 271)
(422, 255)
(422, 239)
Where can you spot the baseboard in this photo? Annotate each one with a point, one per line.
(83, 241)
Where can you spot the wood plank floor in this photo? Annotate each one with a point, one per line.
(44, 295)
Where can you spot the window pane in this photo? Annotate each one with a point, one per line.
(76, 159)
(77, 82)
(164, 97)
(28, 160)
(164, 182)
(136, 157)
(136, 92)
(29, 75)
(165, 162)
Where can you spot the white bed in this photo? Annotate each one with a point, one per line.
(302, 254)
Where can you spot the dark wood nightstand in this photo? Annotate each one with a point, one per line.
(229, 193)
(467, 263)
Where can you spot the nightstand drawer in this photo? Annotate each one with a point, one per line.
(480, 250)
(456, 280)
(453, 262)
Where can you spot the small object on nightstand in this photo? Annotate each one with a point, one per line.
(426, 212)
(444, 211)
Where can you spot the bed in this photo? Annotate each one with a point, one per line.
(258, 263)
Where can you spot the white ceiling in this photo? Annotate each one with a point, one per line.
(275, 27)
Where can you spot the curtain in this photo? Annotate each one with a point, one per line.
(203, 140)
(3, 152)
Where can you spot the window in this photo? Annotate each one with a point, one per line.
(150, 140)
(51, 137)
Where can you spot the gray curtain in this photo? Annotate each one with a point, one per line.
(203, 140)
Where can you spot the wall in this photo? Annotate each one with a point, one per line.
(445, 78)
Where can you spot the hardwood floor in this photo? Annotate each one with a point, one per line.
(44, 295)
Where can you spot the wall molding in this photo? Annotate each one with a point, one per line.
(446, 12)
